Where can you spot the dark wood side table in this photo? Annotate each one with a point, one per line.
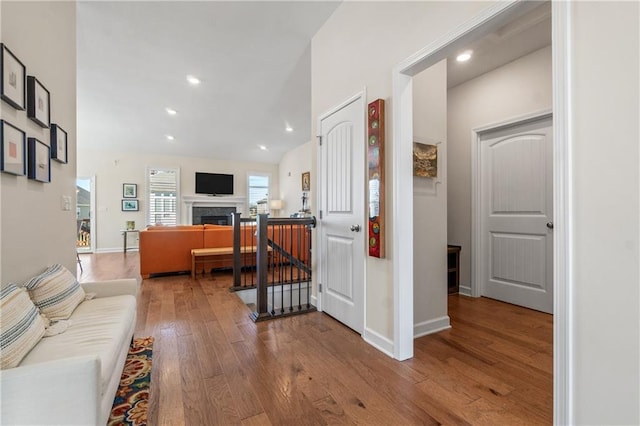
(125, 233)
(453, 268)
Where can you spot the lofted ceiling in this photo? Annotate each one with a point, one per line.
(254, 63)
(253, 60)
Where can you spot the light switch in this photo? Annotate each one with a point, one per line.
(65, 203)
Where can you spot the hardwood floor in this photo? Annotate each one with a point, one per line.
(212, 365)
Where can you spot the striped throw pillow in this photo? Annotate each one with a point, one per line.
(56, 292)
(21, 326)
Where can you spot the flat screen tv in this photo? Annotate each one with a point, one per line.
(214, 184)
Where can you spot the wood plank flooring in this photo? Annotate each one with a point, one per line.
(214, 366)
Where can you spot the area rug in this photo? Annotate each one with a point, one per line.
(132, 399)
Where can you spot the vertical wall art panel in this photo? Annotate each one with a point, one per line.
(375, 160)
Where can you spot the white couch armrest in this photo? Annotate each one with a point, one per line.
(66, 391)
(112, 287)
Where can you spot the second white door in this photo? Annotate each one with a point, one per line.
(342, 229)
(516, 204)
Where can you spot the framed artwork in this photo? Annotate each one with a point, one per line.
(39, 164)
(59, 148)
(425, 160)
(14, 75)
(306, 181)
(38, 102)
(13, 143)
(376, 177)
(130, 205)
(129, 190)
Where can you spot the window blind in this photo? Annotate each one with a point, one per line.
(163, 196)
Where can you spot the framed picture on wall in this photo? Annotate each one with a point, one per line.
(306, 181)
(130, 206)
(14, 75)
(129, 190)
(59, 144)
(39, 164)
(38, 102)
(13, 144)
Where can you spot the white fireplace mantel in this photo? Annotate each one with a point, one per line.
(191, 201)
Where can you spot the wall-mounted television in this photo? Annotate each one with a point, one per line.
(214, 183)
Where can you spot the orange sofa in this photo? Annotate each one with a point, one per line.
(168, 248)
(165, 249)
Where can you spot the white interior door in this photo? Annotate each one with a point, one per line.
(342, 224)
(517, 214)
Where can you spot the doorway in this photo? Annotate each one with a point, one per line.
(85, 214)
(489, 19)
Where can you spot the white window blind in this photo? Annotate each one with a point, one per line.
(258, 194)
(163, 196)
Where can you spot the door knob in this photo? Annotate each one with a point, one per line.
(355, 228)
(550, 225)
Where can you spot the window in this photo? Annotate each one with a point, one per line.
(258, 194)
(163, 187)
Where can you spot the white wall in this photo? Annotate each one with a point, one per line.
(356, 48)
(112, 169)
(517, 88)
(292, 165)
(430, 204)
(35, 231)
(606, 216)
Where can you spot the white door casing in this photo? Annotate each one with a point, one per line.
(515, 255)
(342, 222)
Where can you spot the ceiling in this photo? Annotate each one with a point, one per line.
(253, 60)
(521, 36)
(254, 63)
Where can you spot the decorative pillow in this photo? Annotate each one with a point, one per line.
(56, 292)
(22, 326)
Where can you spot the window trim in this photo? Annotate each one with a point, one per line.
(148, 192)
(248, 189)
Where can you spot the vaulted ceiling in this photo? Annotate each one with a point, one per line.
(253, 60)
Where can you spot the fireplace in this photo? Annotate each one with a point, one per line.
(212, 215)
(215, 220)
(196, 206)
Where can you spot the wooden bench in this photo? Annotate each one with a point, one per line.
(221, 256)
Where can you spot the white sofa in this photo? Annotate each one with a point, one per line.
(72, 377)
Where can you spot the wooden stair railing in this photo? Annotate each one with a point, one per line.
(282, 263)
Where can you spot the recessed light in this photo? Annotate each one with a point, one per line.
(193, 80)
(171, 111)
(464, 56)
(169, 137)
(289, 128)
(262, 147)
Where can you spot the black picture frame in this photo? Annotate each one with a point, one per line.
(129, 190)
(38, 102)
(13, 87)
(13, 149)
(130, 205)
(39, 160)
(59, 148)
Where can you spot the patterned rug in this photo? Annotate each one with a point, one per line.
(132, 398)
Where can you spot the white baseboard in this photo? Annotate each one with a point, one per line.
(114, 250)
(378, 341)
(314, 301)
(431, 326)
(464, 290)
